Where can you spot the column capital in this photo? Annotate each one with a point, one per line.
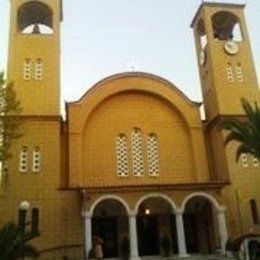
(221, 209)
(86, 214)
(178, 211)
(132, 213)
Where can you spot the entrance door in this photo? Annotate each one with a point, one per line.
(148, 237)
(106, 228)
(191, 233)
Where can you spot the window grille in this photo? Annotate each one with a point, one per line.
(27, 69)
(122, 155)
(229, 72)
(23, 167)
(38, 69)
(137, 152)
(152, 155)
(36, 166)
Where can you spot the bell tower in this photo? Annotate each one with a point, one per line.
(225, 60)
(34, 55)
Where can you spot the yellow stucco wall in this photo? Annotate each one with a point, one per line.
(80, 154)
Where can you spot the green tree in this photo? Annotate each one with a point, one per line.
(14, 244)
(10, 108)
(246, 132)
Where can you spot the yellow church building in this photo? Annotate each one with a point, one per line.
(133, 161)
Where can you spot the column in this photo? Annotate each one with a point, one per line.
(181, 235)
(133, 237)
(222, 229)
(87, 232)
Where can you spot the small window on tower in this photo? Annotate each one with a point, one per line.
(35, 17)
(23, 166)
(36, 167)
(27, 69)
(226, 27)
(229, 73)
(38, 69)
(255, 162)
(239, 73)
(244, 159)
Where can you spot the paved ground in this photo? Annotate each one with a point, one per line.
(193, 257)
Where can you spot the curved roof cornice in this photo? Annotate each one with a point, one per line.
(132, 75)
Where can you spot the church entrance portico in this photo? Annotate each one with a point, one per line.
(204, 224)
(155, 224)
(110, 223)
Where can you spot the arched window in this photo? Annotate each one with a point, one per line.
(38, 69)
(137, 152)
(153, 155)
(27, 69)
(254, 211)
(23, 166)
(226, 27)
(35, 17)
(36, 162)
(122, 155)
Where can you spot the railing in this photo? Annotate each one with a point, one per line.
(67, 252)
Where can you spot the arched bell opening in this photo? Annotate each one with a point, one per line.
(156, 227)
(200, 226)
(226, 27)
(110, 223)
(201, 31)
(35, 18)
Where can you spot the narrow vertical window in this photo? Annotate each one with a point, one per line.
(35, 221)
(122, 155)
(36, 162)
(38, 69)
(239, 73)
(137, 152)
(244, 159)
(255, 162)
(23, 167)
(27, 69)
(254, 211)
(229, 72)
(152, 155)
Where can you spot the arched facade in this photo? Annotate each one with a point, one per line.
(122, 103)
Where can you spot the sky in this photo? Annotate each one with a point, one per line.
(104, 37)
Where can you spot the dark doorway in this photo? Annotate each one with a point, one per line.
(191, 237)
(148, 239)
(106, 228)
(199, 226)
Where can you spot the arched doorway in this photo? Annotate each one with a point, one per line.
(155, 223)
(201, 225)
(110, 223)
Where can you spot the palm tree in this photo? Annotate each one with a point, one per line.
(13, 243)
(246, 132)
